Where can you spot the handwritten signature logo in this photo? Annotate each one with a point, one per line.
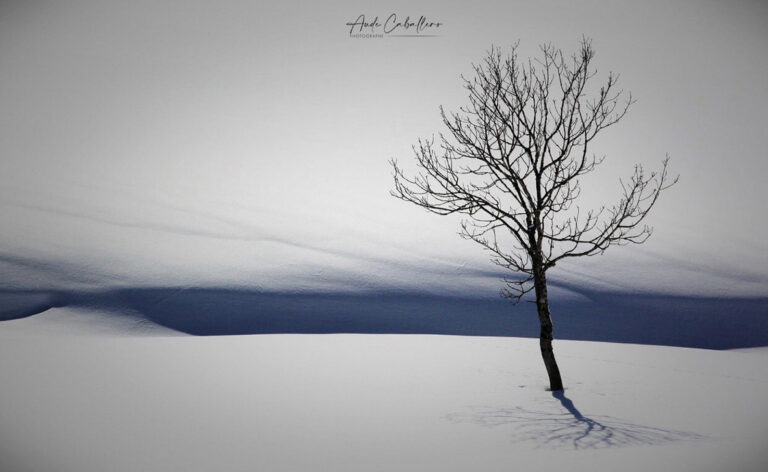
(393, 26)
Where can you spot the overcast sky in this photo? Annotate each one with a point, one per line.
(135, 114)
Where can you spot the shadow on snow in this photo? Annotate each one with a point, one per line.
(570, 429)
(714, 323)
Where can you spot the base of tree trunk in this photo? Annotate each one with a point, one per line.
(555, 381)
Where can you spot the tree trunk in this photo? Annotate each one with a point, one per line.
(545, 338)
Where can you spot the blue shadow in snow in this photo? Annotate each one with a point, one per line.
(570, 429)
(713, 323)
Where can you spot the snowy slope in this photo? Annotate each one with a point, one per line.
(370, 402)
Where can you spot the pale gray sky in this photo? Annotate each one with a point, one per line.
(112, 107)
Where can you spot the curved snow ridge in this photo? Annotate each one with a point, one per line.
(23, 303)
(79, 321)
(636, 318)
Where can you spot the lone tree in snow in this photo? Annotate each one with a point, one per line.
(512, 159)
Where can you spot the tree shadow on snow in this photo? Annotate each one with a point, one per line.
(570, 429)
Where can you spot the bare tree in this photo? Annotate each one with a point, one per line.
(512, 161)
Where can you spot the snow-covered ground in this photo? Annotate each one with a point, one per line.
(82, 394)
(170, 169)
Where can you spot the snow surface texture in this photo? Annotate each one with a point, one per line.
(94, 402)
(210, 268)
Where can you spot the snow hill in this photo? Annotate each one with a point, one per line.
(87, 398)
